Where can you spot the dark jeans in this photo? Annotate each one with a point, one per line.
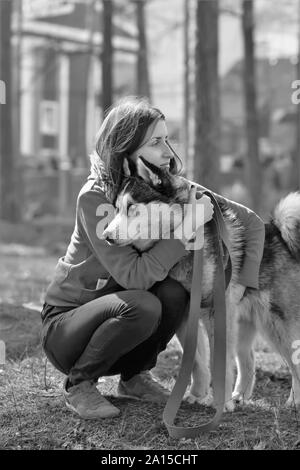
(119, 333)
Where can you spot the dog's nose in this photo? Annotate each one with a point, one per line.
(108, 239)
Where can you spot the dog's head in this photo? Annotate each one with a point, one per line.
(148, 207)
(160, 185)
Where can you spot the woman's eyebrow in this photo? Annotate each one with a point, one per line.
(160, 137)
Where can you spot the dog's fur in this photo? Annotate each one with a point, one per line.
(273, 310)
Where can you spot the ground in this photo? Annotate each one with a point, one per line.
(32, 411)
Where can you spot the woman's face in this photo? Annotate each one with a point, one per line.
(155, 149)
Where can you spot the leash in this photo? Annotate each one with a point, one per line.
(190, 344)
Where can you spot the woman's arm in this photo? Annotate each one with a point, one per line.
(255, 236)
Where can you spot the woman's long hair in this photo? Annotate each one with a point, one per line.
(121, 133)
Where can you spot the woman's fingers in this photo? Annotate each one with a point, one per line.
(208, 208)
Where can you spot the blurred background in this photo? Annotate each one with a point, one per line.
(222, 71)
(226, 73)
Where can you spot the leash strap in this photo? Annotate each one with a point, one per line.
(190, 344)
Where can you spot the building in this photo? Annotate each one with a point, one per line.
(61, 77)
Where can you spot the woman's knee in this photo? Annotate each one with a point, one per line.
(146, 308)
(49, 347)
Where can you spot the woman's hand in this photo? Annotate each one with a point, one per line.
(198, 211)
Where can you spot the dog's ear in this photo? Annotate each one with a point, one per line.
(148, 172)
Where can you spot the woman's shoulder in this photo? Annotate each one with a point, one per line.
(91, 191)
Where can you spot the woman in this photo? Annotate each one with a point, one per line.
(111, 310)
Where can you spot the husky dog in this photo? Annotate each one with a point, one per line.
(273, 310)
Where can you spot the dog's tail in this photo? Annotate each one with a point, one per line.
(287, 220)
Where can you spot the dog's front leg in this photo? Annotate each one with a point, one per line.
(231, 338)
(244, 354)
(231, 331)
(199, 391)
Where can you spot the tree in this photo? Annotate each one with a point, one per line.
(17, 6)
(297, 144)
(207, 106)
(86, 79)
(143, 82)
(107, 55)
(9, 208)
(186, 81)
(253, 171)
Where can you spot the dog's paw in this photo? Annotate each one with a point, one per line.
(190, 398)
(239, 398)
(229, 406)
(206, 400)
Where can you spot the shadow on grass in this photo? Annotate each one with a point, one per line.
(34, 416)
(20, 330)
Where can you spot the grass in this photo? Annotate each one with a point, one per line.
(33, 414)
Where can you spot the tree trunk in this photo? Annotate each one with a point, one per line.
(297, 143)
(207, 106)
(253, 170)
(83, 95)
(143, 81)
(107, 55)
(9, 209)
(186, 81)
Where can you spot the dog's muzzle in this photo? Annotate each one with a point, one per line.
(108, 239)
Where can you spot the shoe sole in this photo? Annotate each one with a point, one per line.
(133, 397)
(113, 414)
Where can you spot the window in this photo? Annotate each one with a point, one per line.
(49, 121)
